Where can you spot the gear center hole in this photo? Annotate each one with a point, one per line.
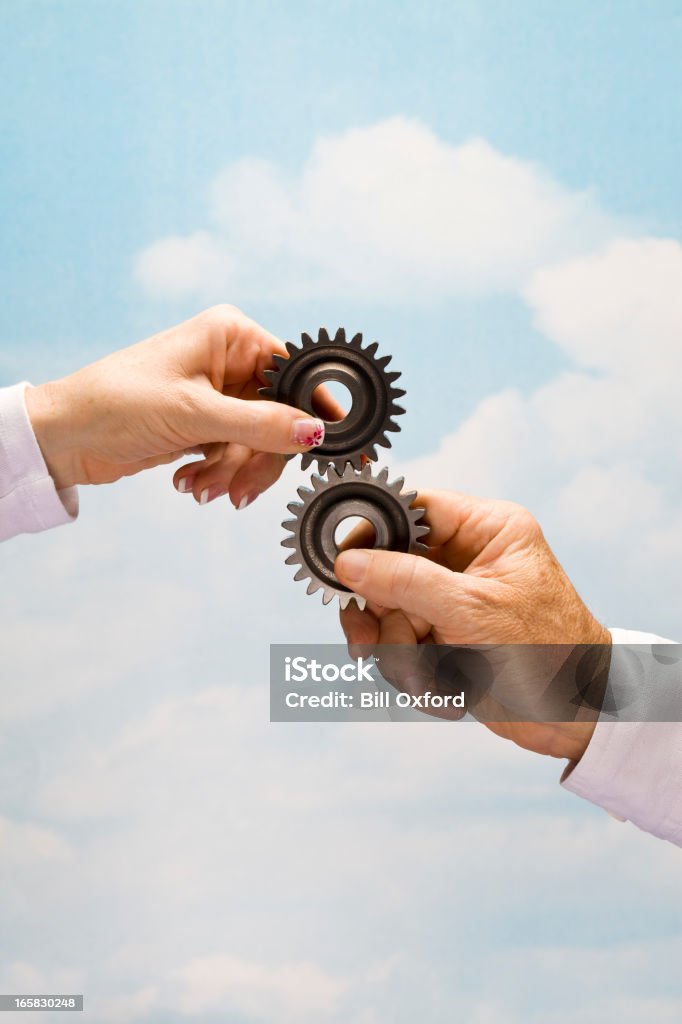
(339, 394)
(354, 532)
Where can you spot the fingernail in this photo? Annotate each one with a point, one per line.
(209, 493)
(353, 564)
(309, 433)
(185, 484)
(247, 499)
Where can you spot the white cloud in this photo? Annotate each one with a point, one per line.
(595, 452)
(287, 992)
(601, 503)
(618, 310)
(388, 212)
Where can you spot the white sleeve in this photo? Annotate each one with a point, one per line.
(633, 768)
(29, 500)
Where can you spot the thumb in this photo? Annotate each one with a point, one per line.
(412, 583)
(261, 425)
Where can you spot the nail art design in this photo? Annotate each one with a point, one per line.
(309, 433)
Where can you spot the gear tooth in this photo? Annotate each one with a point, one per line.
(393, 376)
(306, 340)
(397, 485)
(317, 482)
(303, 493)
(371, 349)
(384, 442)
(398, 392)
(289, 524)
(323, 336)
(292, 559)
(397, 410)
(408, 496)
(322, 463)
(301, 574)
(340, 336)
(418, 548)
(421, 530)
(280, 360)
(266, 392)
(269, 374)
(327, 595)
(294, 507)
(384, 361)
(372, 453)
(392, 427)
(306, 459)
(312, 587)
(356, 340)
(360, 601)
(291, 348)
(289, 542)
(383, 476)
(366, 472)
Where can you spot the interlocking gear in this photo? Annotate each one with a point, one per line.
(340, 495)
(371, 386)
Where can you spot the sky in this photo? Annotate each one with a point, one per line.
(491, 191)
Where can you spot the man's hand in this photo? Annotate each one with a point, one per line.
(191, 389)
(489, 578)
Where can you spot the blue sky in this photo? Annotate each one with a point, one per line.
(157, 834)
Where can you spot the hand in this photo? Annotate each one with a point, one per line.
(489, 578)
(191, 389)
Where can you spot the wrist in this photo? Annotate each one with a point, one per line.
(50, 416)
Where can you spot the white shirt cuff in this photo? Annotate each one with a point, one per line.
(633, 769)
(29, 500)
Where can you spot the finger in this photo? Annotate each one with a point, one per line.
(359, 627)
(396, 628)
(212, 477)
(258, 473)
(262, 426)
(462, 523)
(361, 536)
(396, 580)
(325, 405)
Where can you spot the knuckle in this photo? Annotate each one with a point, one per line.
(223, 314)
(525, 520)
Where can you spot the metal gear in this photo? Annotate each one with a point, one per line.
(371, 386)
(332, 499)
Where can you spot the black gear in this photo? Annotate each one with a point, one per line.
(371, 387)
(332, 499)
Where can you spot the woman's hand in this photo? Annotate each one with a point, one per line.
(489, 578)
(191, 389)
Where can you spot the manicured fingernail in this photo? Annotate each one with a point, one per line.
(185, 484)
(247, 499)
(209, 493)
(309, 433)
(353, 564)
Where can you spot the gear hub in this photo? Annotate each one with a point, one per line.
(339, 496)
(371, 386)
